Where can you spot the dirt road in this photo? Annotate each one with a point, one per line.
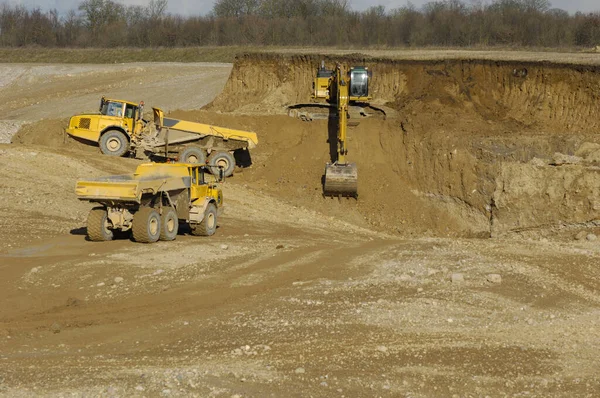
(301, 296)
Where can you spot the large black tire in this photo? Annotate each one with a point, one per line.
(208, 226)
(222, 159)
(114, 143)
(97, 225)
(146, 225)
(193, 154)
(169, 224)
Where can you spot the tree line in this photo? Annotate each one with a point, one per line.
(107, 23)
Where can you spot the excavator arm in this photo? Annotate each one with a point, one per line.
(341, 177)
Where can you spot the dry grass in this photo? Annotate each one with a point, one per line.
(227, 54)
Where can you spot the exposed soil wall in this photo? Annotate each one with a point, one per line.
(449, 158)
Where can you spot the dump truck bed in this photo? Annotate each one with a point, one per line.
(149, 179)
(224, 133)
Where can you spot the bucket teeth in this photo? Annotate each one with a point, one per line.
(341, 180)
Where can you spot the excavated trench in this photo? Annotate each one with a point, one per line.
(469, 147)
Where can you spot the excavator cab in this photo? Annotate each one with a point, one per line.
(359, 84)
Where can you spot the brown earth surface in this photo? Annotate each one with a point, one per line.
(455, 273)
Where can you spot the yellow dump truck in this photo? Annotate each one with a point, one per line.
(152, 202)
(119, 129)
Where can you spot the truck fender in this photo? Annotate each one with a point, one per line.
(114, 127)
(197, 211)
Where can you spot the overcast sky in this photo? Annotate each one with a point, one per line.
(195, 7)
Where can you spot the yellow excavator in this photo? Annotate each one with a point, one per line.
(341, 88)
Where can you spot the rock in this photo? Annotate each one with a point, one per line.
(224, 247)
(559, 159)
(35, 269)
(494, 278)
(139, 388)
(581, 235)
(299, 371)
(55, 328)
(279, 247)
(100, 284)
(118, 279)
(73, 302)
(382, 348)
(158, 272)
(537, 162)
(591, 237)
(457, 278)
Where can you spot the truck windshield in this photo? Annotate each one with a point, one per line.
(111, 108)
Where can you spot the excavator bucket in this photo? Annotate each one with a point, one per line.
(341, 180)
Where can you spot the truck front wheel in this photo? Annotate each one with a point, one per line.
(114, 143)
(146, 225)
(97, 225)
(208, 226)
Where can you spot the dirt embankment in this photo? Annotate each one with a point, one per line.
(447, 159)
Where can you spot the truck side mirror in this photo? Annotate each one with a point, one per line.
(102, 102)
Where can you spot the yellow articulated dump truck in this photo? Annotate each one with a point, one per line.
(152, 202)
(119, 129)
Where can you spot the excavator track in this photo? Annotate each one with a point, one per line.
(310, 112)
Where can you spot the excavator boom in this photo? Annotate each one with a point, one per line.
(341, 177)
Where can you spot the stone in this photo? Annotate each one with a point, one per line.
(382, 348)
(299, 371)
(224, 247)
(118, 279)
(457, 278)
(55, 328)
(581, 235)
(537, 162)
(494, 278)
(591, 237)
(279, 247)
(559, 159)
(100, 284)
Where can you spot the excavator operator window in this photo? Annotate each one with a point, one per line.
(359, 83)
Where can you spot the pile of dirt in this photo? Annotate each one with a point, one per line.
(49, 133)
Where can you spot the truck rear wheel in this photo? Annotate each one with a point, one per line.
(98, 225)
(114, 143)
(146, 225)
(192, 154)
(169, 224)
(208, 226)
(222, 159)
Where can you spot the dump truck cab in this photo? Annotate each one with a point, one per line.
(113, 128)
(153, 201)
